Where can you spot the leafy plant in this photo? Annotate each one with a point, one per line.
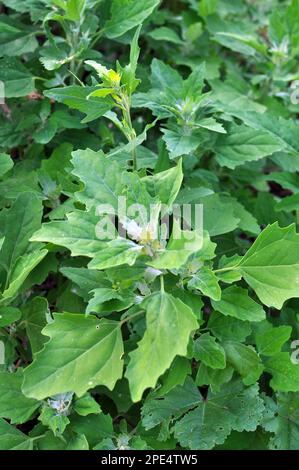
(149, 253)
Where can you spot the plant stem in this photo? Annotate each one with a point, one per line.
(229, 268)
(72, 72)
(134, 158)
(39, 32)
(125, 320)
(75, 76)
(162, 283)
(131, 134)
(98, 35)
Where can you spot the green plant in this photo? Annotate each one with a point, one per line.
(126, 322)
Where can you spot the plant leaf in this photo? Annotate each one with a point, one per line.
(169, 325)
(91, 347)
(126, 14)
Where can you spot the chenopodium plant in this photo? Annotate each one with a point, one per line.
(145, 280)
(170, 321)
(156, 315)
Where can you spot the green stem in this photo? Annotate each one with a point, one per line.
(220, 270)
(73, 39)
(78, 68)
(38, 33)
(72, 71)
(41, 78)
(125, 320)
(162, 283)
(78, 79)
(98, 35)
(37, 437)
(134, 158)
(126, 106)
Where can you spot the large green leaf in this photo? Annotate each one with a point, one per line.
(271, 265)
(6, 164)
(236, 302)
(9, 315)
(284, 130)
(212, 418)
(235, 407)
(282, 419)
(166, 184)
(126, 14)
(35, 318)
(215, 378)
(285, 373)
(15, 260)
(182, 244)
(27, 210)
(116, 253)
(85, 279)
(245, 360)
(13, 439)
(16, 38)
(17, 79)
(176, 375)
(207, 350)
(270, 341)
(77, 233)
(181, 141)
(238, 36)
(169, 325)
(83, 352)
(13, 404)
(23, 267)
(157, 409)
(76, 98)
(228, 328)
(101, 178)
(75, 9)
(165, 34)
(244, 144)
(219, 215)
(206, 281)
